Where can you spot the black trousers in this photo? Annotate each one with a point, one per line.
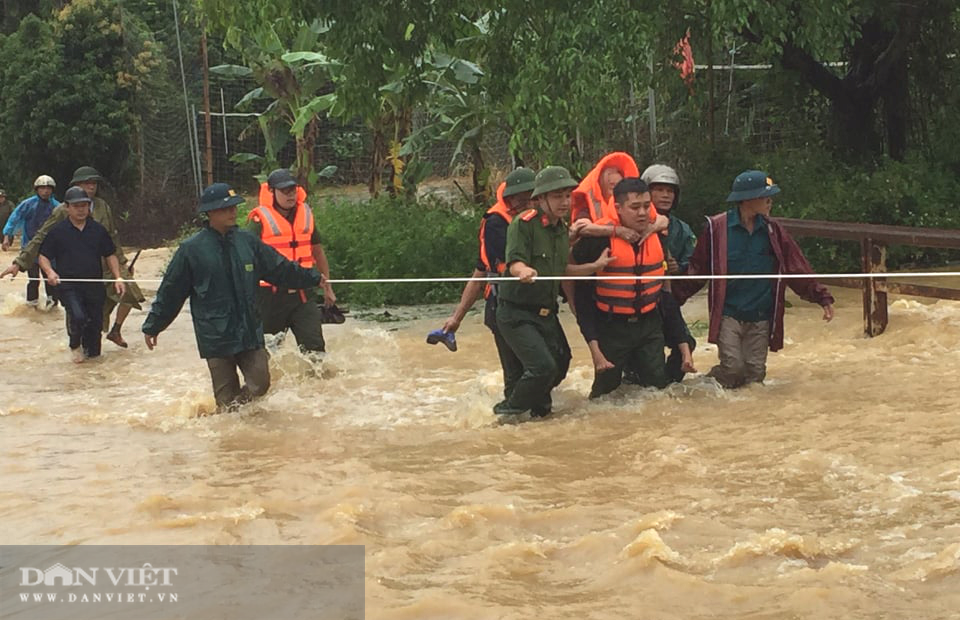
(33, 286)
(84, 305)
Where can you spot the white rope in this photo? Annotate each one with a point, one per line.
(759, 276)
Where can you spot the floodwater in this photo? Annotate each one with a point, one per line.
(833, 491)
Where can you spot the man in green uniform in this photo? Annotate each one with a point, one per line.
(219, 269)
(284, 221)
(538, 244)
(6, 208)
(88, 178)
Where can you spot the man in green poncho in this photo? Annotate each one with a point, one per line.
(219, 269)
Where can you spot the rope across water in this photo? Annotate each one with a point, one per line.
(785, 276)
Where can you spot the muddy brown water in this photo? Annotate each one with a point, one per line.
(833, 491)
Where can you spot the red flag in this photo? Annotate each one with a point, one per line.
(686, 66)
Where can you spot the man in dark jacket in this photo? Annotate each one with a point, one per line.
(746, 315)
(219, 269)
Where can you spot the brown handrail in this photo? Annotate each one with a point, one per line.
(874, 239)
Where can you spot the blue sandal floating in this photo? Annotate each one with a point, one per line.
(447, 338)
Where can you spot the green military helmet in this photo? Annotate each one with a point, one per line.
(84, 174)
(552, 178)
(519, 181)
(752, 184)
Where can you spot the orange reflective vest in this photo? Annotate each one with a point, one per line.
(632, 297)
(292, 241)
(499, 208)
(587, 199)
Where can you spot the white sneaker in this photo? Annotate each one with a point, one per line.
(77, 355)
(33, 303)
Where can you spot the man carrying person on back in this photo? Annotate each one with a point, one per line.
(623, 320)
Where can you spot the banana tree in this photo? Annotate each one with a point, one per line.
(459, 112)
(297, 82)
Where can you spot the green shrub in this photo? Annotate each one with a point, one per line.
(391, 237)
(818, 186)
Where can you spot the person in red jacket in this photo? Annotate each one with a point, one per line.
(746, 315)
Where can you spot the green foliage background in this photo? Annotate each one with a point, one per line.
(566, 82)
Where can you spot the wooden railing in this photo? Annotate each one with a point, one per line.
(874, 240)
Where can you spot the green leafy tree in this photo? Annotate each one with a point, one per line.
(296, 79)
(76, 87)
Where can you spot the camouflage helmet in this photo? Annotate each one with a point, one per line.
(519, 181)
(659, 173)
(552, 178)
(84, 174)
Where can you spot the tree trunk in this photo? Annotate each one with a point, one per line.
(896, 111)
(208, 121)
(402, 120)
(711, 104)
(305, 152)
(378, 158)
(853, 131)
(480, 174)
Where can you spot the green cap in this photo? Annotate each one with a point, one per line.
(85, 173)
(519, 181)
(752, 184)
(551, 179)
(218, 196)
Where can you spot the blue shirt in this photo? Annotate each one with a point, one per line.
(749, 253)
(23, 214)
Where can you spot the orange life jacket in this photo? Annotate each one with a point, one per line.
(503, 210)
(587, 198)
(292, 241)
(628, 297)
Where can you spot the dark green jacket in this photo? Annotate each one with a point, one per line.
(220, 274)
(680, 241)
(531, 239)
